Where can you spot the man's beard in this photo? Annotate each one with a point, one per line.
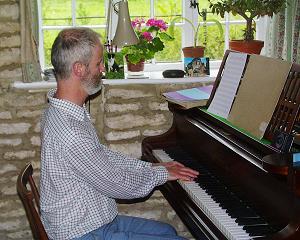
(91, 84)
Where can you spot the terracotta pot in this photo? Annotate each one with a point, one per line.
(253, 46)
(138, 67)
(193, 52)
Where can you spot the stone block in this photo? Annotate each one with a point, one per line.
(19, 155)
(9, 11)
(23, 234)
(10, 56)
(115, 136)
(5, 115)
(127, 94)
(9, 225)
(14, 128)
(29, 114)
(123, 107)
(131, 149)
(35, 141)
(158, 106)
(10, 41)
(127, 121)
(8, 190)
(154, 132)
(37, 127)
(5, 168)
(151, 214)
(10, 142)
(22, 99)
(9, 27)
(11, 73)
(14, 213)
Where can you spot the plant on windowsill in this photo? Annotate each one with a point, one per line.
(249, 10)
(151, 34)
(196, 50)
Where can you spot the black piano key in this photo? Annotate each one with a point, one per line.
(241, 212)
(250, 221)
(258, 230)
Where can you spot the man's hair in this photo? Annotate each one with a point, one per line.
(70, 46)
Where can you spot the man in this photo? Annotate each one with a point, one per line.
(80, 178)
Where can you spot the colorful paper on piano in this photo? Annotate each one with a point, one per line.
(188, 98)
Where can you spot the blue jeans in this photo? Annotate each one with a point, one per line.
(133, 228)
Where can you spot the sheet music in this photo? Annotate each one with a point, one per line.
(224, 96)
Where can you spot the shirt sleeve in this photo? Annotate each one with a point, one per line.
(97, 166)
(124, 161)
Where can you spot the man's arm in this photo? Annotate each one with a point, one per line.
(121, 160)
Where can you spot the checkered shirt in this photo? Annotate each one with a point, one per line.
(80, 178)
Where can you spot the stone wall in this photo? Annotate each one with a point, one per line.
(123, 116)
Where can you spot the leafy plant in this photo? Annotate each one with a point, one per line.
(247, 9)
(151, 36)
(196, 28)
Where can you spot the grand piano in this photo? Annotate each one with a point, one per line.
(247, 189)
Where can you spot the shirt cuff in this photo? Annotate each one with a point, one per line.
(161, 174)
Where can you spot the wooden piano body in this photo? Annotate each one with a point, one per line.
(258, 172)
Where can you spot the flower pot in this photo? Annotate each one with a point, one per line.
(193, 52)
(136, 69)
(253, 46)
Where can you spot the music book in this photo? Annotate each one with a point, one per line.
(259, 93)
(189, 98)
(224, 96)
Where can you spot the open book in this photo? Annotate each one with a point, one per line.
(189, 98)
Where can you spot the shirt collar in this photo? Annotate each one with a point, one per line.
(73, 109)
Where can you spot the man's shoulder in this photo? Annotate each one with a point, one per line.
(62, 124)
(56, 121)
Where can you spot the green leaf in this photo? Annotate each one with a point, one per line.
(157, 44)
(166, 37)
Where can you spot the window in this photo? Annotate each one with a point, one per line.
(55, 15)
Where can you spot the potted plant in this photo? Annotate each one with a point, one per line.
(151, 34)
(196, 50)
(249, 10)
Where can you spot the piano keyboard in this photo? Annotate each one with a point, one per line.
(229, 214)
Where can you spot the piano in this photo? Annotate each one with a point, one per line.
(247, 189)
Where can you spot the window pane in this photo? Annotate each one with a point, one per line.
(214, 48)
(49, 36)
(172, 50)
(236, 31)
(57, 12)
(102, 34)
(204, 5)
(90, 12)
(167, 9)
(139, 8)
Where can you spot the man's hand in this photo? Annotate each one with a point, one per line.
(177, 171)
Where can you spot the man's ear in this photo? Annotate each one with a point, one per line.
(79, 69)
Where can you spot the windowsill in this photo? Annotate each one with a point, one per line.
(152, 78)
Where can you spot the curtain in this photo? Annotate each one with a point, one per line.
(29, 41)
(282, 39)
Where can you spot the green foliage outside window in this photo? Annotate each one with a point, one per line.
(92, 12)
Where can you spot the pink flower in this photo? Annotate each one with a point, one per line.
(147, 36)
(159, 23)
(137, 23)
(151, 22)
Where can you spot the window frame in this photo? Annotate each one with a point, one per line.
(192, 14)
